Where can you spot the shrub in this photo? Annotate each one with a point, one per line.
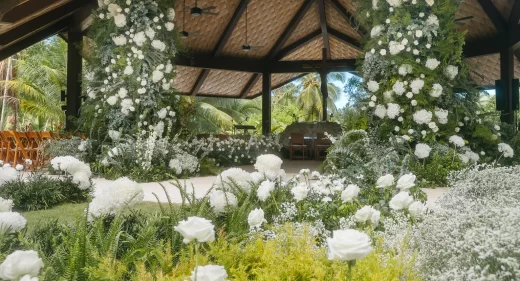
(435, 170)
(473, 234)
(41, 192)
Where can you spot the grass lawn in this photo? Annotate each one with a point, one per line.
(69, 213)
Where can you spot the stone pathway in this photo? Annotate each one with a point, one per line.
(201, 185)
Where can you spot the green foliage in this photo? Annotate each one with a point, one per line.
(156, 173)
(434, 171)
(292, 255)
(40, 78)
(70, 147)
(41, 192)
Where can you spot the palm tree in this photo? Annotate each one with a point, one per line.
(40, 78)
(217, 115)
(310, 98)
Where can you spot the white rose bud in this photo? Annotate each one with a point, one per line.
(19, 264)
(417, 209)
(367, 213)
(195, 228)
(256, 218)
(406, 182)
(351, 192)
(209, 272)
(385, 181)
(401, 201)
(348, 245)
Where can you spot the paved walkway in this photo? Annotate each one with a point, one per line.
(201, 185)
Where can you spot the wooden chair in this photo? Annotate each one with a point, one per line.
(34, 143)
(24, 149)
(297, 143)
(4, 147)
(45, 138)
(222, 137)
(11, 153)
(321, 145)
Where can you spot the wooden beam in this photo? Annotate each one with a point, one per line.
(345, 38)
(324, 95)
(198, 84)
(347, 16)
(323, 26)
(6, 6)
(514, 17)
(249, 86)
(485, 46)
(507, 74)
(239, 11)
(34, 38)
(220, 63)
(35, 24)
(297, 45)
(281, 84)
(342, 65)
(290, 29)
(266, 104)
(74, 75)
(494, 15)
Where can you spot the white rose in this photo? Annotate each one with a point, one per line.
(385, 181)
(300, 191)
(19, 167)
(417, 209)
(19, 264)
(264, 190)
(195, 228)
(209, 272)
(29, 278)
(401, 201)
(349, 244)
(367, 213)
(406, 182)
(219, 199)
(256, 218)
(350, 193)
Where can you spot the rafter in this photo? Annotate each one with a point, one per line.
(290, 29)
(345, 38)
(494, 15)
(297, 45)
(249, 86)
(34, 38)
(349, 18)
(514, 17)
(6, 6)
(323, 26)
(281, 84)
(40, 22)
(239, 11)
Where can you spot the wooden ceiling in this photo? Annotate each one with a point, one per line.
(292, 35)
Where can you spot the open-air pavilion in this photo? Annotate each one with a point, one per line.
(287, 38)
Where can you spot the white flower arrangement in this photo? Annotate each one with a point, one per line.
(209, 272)
(380, 111)
(393, 110)
(457, 141)
(256, 218)
(422, 116)
(432, 63)
(506, 150)
(348, 245)
(116, 195)
(451, 71)
(401, 201)
(399, 88)
(11, 222)
(373, 86)
(368, 214)
(219, 200)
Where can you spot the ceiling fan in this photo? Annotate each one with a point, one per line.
(185, 34)
(246, 47)
(196, 11)
(459, 21)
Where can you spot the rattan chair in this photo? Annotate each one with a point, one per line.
(297, 143)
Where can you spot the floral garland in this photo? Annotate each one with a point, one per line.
(130, 73)
(412, 63)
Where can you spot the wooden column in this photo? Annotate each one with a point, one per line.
(74, 75)
(324, 94)
(266, 103)
(507, 76)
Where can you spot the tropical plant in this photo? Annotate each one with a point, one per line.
(310, 99)
(40, 76)
(217, 115)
